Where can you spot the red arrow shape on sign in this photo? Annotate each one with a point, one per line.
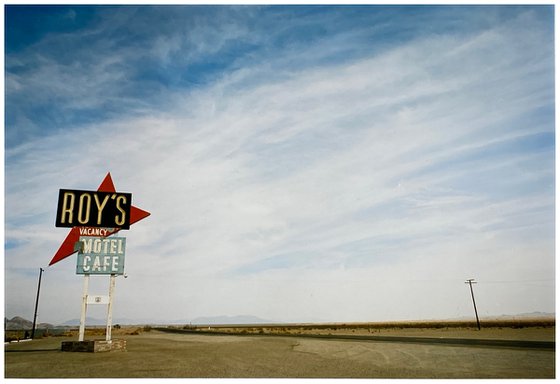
(67, 247)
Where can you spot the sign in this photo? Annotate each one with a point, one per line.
(88, 231)
(93, 217)
(67, 248)
(101, 255)
(91, 299)
(78, 208)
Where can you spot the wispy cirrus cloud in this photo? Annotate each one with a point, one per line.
(303, 169)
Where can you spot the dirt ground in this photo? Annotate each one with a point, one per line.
(156, 354)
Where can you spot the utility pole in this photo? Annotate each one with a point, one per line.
(37, 303)
(470, 282)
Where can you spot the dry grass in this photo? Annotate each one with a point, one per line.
(368, 328)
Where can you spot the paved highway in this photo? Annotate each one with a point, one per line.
(496, 343)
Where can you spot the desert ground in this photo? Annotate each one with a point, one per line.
(255, 352)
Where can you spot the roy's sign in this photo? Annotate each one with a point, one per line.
(101, 255)
(78, 208)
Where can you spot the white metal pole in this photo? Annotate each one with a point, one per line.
(84, 308)
(110, 307)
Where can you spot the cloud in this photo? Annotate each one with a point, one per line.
(330, 191)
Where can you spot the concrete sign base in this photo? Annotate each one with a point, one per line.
(93, 346)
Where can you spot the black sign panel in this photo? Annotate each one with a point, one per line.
(93, 209)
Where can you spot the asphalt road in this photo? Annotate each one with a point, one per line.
(497, 343)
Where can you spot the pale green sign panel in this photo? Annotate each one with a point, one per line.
(101, 255)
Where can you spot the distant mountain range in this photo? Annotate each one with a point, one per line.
(199, 320)
(526, 316)
(531, 315)
(245, 319)
(19, 323)
(92, 321)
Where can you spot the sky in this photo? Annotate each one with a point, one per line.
(300, 163)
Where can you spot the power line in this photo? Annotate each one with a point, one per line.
(517, 281)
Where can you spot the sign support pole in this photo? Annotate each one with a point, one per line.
(110, 307)
(84, 308)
